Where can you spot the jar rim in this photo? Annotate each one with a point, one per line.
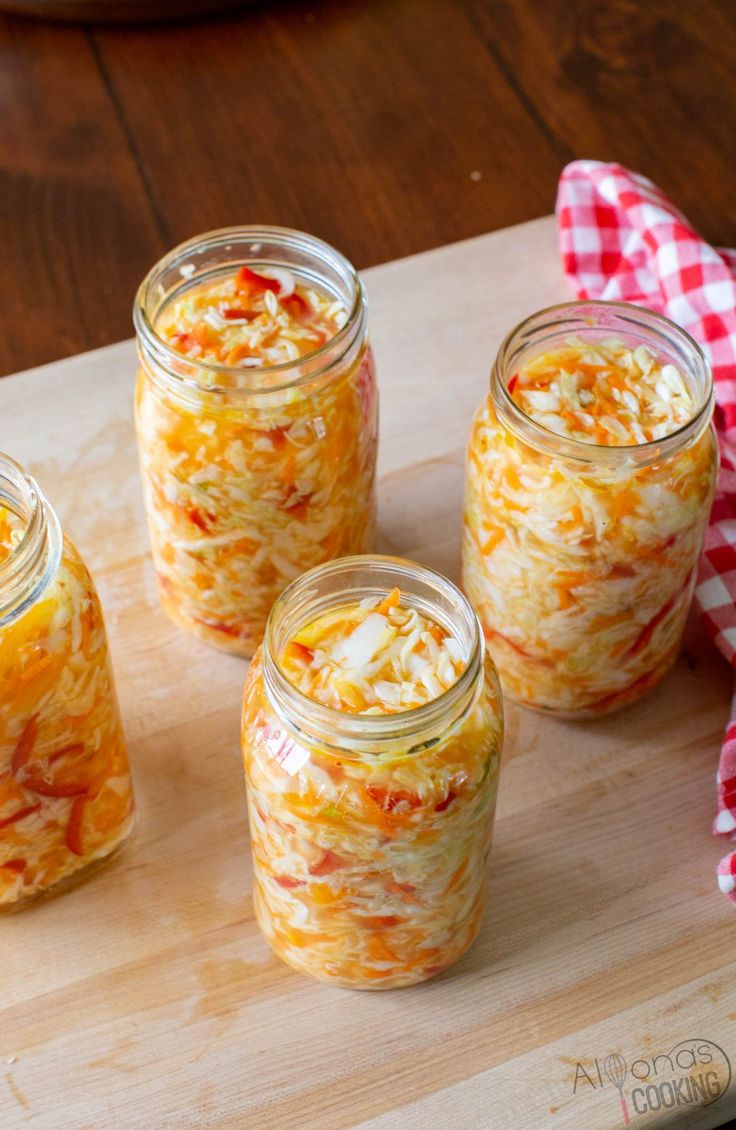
(291, 371)
(414, 729)
(641, 320)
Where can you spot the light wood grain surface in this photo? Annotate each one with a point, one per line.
(147, 998)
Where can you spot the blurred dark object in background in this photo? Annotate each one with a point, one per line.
(117, 11)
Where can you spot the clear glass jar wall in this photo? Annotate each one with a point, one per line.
(66, 801)
(371, 832)
(254, 468)
(580, 557)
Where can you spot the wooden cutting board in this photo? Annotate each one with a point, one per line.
(147, 998)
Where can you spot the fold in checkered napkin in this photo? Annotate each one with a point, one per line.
(621, 239)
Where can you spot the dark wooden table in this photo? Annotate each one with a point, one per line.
(384, 126)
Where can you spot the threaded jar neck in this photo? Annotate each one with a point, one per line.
(348, 581)
(592, 322)
(214, 254)
(26, 571)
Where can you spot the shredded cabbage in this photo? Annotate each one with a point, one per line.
(65, 792)
(369, 868)
(603, 393)
(242, 496)
(581, 575)
(379, 658)
(248, 318)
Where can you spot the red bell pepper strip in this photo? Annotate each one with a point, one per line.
(330, 862)
(388, 801)
(16, 865)
(648, 630)
(300, 651)
(24, 745)
(66, 751)
(512, 383)
(74, 826)
(248, 278)
(295, 305)
(621, 696)
(379, 921)
(279, 436)
(446, 802)
(299, 508)
(401, 888)
(240, 315)
(52, 788)
(287, 882)
(198, 519)
(19, 814)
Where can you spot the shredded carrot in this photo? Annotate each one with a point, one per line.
(61, 735)
(24, 745)
(390, 601)
(494, 538)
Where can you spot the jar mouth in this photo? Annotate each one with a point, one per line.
(604, 319)
(28, 568)
(224, 250)
(347, 581)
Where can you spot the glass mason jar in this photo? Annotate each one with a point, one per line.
(580, 559)
(252, 475)
(371, 832)
(66, 803)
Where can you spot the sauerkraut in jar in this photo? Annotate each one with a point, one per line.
(372, 730)
(257, 418)
(66, 803)
(590, 475)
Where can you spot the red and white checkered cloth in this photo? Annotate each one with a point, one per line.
(621, 239)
